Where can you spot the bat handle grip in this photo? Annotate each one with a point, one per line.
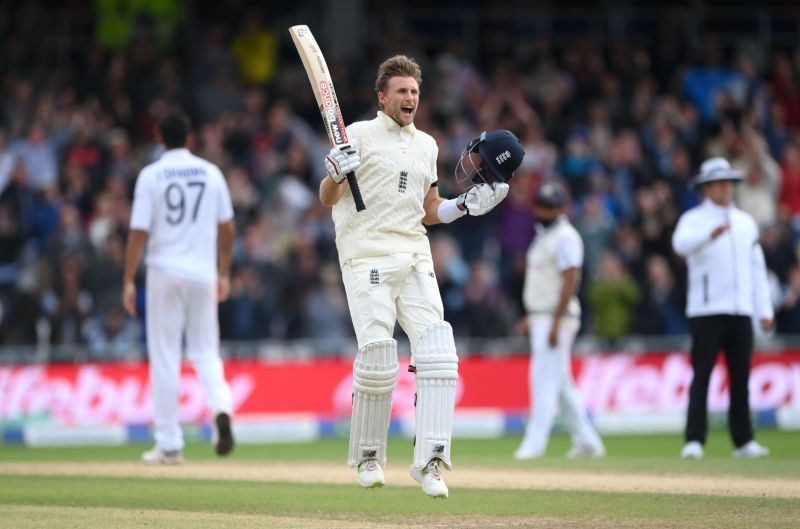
(356, 191)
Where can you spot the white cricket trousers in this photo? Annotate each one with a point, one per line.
(175, 305)
(551, 384)
(392, 288)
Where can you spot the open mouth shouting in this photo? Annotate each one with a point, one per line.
(407, 113)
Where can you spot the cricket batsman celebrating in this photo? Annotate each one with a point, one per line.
(388, 271)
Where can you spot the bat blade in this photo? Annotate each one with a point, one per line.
(320, 78)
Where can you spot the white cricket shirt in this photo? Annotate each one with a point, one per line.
(727, 275)
(398, 167)
(553, 250)
(180, 200)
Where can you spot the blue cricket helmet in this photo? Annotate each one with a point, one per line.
(491, 157)
(501, 152)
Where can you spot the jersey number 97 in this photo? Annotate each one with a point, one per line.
(175, 197)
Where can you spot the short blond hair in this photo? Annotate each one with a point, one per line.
(397, 66)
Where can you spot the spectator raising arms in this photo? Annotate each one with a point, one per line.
(617, 122)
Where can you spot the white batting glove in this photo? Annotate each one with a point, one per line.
(483, 198)
(340, 161)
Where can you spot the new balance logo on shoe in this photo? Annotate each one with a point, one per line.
(374, 277)
(431, 479)
(370, 473)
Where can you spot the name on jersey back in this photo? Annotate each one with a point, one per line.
(181, 172)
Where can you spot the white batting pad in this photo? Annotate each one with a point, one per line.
(374, 378)
(437, 372)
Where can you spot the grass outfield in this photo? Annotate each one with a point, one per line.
(223, 500)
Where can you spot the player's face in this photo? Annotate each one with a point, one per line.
(546, 213)
(400, 99)
(720, 192)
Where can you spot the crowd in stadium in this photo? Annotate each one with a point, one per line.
(623, 126)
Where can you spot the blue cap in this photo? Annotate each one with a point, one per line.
(550, 195)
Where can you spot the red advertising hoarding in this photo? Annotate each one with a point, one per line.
(118, 393)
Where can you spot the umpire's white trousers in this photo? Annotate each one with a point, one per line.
(551, 384)
(175, 305)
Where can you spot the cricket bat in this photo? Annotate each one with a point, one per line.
(320, 78)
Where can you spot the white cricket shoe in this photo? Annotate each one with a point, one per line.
(431, 479)
(692, 450)
(370, 474)
(579, 451)
(156, 456)
(751, 450)
(528, 451)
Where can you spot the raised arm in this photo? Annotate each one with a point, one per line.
(330, 192)
(687, 239)
(340, 160)
(478, 200)
(431, 205)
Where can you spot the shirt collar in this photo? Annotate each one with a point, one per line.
(391, 124)
(181, 151)
(710, 204)
(542, 228)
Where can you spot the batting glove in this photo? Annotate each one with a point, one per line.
(483, 198)
(340, 161)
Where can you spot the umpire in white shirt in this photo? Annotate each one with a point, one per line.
(727, 288)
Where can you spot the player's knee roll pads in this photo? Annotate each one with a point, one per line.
(437, 372)
(374, 378)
